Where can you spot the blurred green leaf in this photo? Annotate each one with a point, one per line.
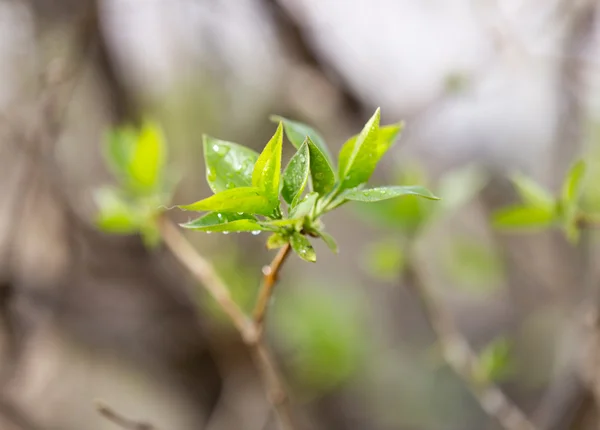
(115, 214)
(573, 183)
(303, 248)
(228, 165)
(359, 156)
(325, 333)
(523, 217)
(148, 157)
(384, 259)
(472, 265)
(495, 362)
(322, 175)
(224, 222)
(250, 200)
(267, 170)
(295, 176)
(532, 193)
(390, 192)
(297, 132)
(118, 149)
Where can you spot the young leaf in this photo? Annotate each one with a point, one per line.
(523, 217)
(322, 175)
(573, 184)
(531, 192)
(303, 248)
(249, 200)
(276, 240)
(385, 193)
(115, 216)
(350, 172)
(359, 157)
(149, 156)
(329, 241)
(224, 221)
(295, 175)
(118, 149)
(305, 206)
(297, 132)
(228, 165)
(267, 170)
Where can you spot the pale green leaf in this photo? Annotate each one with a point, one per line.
(249, 200)
(115, 214)
(148, 157)
(295, 176)
(329, 241)
(224, 221)
(118, 149)
(303, 248)
(390, 192)
(321, 172)
(305, 206)
(531, 192)
(228, 165)
(297, 132)
(523, 217)
(276, 240)
(267, 170)
(573, 183)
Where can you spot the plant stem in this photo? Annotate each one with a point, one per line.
(249, 330)
(462, 359)
(271, 275)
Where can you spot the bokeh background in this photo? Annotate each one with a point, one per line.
(486, 88)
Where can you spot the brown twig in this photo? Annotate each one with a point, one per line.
(462, 359)
(121, 421)
(271, 274)
(204, 272)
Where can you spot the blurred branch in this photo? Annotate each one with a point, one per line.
(271, 274)
(461, 358)
(121, 421)
(205, 273)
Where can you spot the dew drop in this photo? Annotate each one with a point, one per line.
(208, 232)
(225, 232)
(220, 216)
(216, 148)
(256, 232)
(266, 270)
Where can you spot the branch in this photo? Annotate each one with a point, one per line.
(121, 421)
(271, 275)
(462, 359)
(249, 330)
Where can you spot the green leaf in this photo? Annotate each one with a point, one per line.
(523, 217)
(305, 206)
(390, 192)
(359, 156)
(303, 248)
(329, 241)
(460, 186)
(118, 149)
(249, 200)
(295, 176)
(573, 183)
(228, 165)
(277, 240)
(224, 221)
(384, 259)
(148, 157)
(322, 175)
(267, 170)
(495, 361)
(531, 192)
(297, 132)
(116, 215)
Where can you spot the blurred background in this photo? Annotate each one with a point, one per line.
(486, 88)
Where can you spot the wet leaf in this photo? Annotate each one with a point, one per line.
(295, 176)
(228, 165)
(385, 193)
(277, 240)
(250, 200)
(321, 172)
(305, 206)
(303, 248)
(267, 170)
(224, 221)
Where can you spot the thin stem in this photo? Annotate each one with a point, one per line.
(121, 421)
(271, 275)
(204, 272)
(249, 330)
(462, 359)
